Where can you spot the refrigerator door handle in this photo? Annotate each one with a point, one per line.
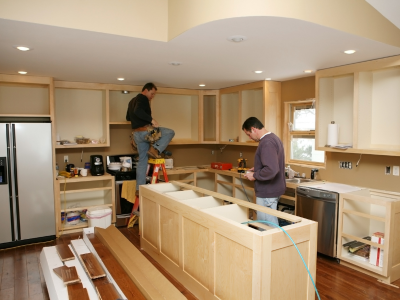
(10, 188)
(14, 149)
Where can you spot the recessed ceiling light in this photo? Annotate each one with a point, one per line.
(349, 51)
(23, 48)
(121, 78)
(202, 84)
(237, 38)
(22, 72)
(258, 72)
(308, 71)
(125, 92)
(175, 63)
(268, 78)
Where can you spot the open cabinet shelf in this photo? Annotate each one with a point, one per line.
(361, 214)
(364, 100)
(82, 193)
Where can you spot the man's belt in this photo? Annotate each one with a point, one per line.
(144, 128)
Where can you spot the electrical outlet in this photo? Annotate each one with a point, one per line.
(240, 154)
(212, 152)
(65, 158)
(345, 165)
(387, 170)
(396, 170)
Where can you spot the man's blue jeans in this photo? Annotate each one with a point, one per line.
(143, 146)
(270, 203)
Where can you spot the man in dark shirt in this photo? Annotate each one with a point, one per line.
(139, 113)
(269, 167)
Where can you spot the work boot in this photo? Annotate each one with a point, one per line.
(167, 153)
(153, 153)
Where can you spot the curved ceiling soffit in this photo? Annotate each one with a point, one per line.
(354, 17)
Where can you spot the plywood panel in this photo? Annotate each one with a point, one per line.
(396, 240)
(196, 251)
(385, 108)
(343, 107)
(169, 234)
(150, 222)
(80, 112)
(233, 270)
(18, 99)
(229, 120)
(287, 264)
(210, 117)
(119, 105)
(176, 112)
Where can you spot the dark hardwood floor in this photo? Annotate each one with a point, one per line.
(21, 277)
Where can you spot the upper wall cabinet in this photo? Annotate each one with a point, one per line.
(364, 100)
(209, 122)
(120, 96)
(259, 99)
(26, 96)
(178, 109)
(81, 109)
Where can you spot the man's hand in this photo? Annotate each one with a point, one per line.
(154, 123)
(250, 175)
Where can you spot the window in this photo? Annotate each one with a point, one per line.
(300, 134)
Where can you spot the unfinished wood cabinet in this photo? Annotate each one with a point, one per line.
(81, 193)
(259, 99)
(197, 235)
(209, 102)
(362, 213)
(81, 109)
(26, 96)
(364, 100)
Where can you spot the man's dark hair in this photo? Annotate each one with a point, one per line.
(149, 86)
(252, 122)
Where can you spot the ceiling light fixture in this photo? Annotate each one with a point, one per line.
(258, 72)
(349, 51)
(202, 84)
(22, 72)
(125, 92)
(175, 63)
(268, 78)
(120, 79)
(308, 71)
(23, 48)
(237, 38)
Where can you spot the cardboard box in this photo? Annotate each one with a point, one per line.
(376, 254)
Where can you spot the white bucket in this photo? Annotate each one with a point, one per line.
(73, 218)
(99, 216)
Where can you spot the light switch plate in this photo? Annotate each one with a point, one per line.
(396, 170)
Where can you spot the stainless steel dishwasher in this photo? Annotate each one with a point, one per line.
(320, 206)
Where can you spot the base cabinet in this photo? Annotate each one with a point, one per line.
(197, 235)
(363, 213)
(81, 193)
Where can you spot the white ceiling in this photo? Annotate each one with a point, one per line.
(283, 48)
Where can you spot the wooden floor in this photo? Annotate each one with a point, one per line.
(22, 279)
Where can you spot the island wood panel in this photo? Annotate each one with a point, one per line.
(220, 258)
(169, 234)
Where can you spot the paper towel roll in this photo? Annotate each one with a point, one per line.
(333, 134)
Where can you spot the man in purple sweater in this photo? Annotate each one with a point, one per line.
(269, 167)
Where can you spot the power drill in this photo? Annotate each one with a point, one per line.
(242, 165)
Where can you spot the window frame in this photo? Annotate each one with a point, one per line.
(287, 134)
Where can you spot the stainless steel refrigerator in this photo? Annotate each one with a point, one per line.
(26, 181)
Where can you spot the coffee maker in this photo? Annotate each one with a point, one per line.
(96, 165)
